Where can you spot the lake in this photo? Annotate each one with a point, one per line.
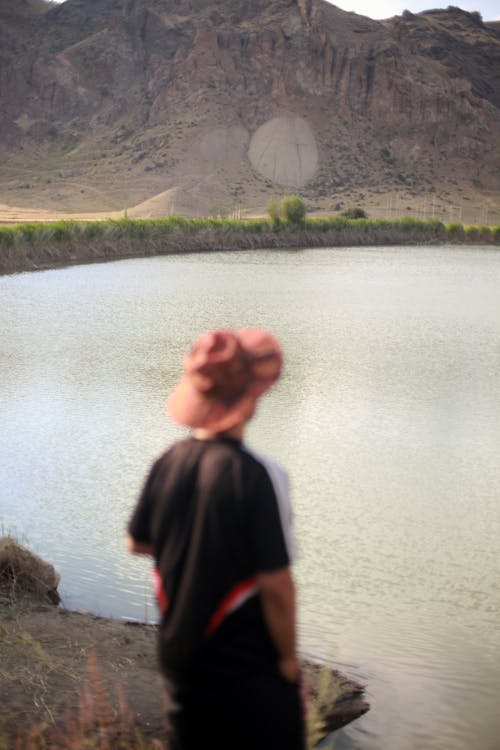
(387, 418)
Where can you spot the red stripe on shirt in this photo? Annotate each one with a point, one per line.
(236, 596)
(160, 591)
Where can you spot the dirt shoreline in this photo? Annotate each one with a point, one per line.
(51, 657)
(74, 680)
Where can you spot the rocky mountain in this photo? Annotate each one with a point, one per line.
(191, 106)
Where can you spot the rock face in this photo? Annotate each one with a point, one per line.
(107, 103)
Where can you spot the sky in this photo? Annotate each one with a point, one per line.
(489, 9)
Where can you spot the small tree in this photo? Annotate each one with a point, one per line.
(273, 210)
(293, 210)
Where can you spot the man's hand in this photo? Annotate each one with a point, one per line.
(289, 669)
(138, 548)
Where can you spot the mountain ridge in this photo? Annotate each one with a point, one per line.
(221, 104)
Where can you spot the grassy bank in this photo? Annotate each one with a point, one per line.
(29, 247)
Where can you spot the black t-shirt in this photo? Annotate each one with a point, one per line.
(216, 514)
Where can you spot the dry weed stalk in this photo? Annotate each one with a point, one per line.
(95, 725)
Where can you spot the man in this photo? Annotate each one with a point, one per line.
(217, 519)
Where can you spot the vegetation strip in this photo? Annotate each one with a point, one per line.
(34, 246)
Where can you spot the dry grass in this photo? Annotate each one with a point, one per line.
(17, 215)
(22, 573)
(99, 723)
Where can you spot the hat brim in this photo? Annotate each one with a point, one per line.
(188, 407)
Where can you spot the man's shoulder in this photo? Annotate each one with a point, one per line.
(271, 466)
(219, 452)
(180, 448)
(208, 455)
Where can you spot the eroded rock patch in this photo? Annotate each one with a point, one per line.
(284, 150)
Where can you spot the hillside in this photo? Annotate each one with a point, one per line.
(203, 106)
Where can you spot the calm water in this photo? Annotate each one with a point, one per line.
(388, 419)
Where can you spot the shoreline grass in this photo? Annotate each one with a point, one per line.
(35, 246)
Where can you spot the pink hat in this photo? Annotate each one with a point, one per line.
(224, 375)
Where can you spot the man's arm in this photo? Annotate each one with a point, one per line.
(138, 548)
(277, 591)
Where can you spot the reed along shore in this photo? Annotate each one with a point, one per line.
(38, 246)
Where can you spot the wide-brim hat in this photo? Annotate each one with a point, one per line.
(225, 373)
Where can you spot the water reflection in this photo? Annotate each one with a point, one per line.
(387, 417)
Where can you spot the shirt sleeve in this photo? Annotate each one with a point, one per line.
(139, 525)
(272, 532)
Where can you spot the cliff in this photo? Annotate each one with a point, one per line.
(194, 104)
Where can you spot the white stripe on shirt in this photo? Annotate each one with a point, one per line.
(281, 485)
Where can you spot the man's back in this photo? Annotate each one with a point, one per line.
(215, 519)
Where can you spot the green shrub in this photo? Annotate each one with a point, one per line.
(455, 230)
(92, 229)
(485, 233)
(28, 232)
(132, 228)
(339, 223)
(382, 223)
(355, 213)
(471, 233)
(7, 237)
(495, 233)
(293, 210)
(436, 226)
(273, 210)
(410, 224)
(256, 226)
(62, 230)
(363, 224)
